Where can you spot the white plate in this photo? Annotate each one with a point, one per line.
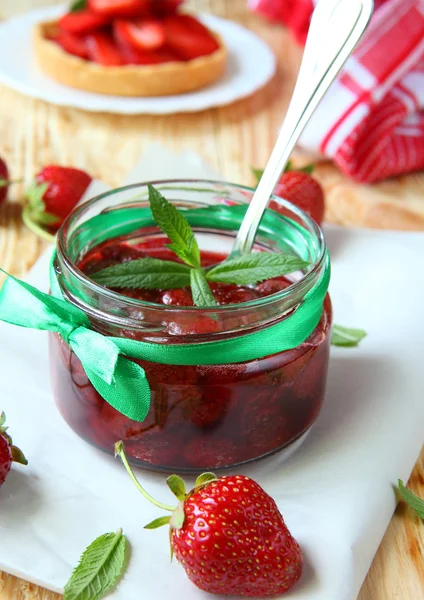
(251, 65)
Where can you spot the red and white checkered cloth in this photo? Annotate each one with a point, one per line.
(371, 123)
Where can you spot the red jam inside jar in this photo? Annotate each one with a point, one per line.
(201, 417)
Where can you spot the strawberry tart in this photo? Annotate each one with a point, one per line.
(129, 48)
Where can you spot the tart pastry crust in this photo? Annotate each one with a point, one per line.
(129, 80)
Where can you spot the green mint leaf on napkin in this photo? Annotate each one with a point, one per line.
(99, 568)
(253, 268)
(147, 273)
(78, 5)
(347, 337)
(411, 499)
(200, 290)
(175, 226)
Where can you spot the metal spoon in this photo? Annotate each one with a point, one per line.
(336, 28)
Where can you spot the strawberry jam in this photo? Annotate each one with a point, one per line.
(201, 417)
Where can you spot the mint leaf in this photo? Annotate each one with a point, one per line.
(176, 227)
(78, 5)
(256, 267)
(99, 568)
(346, 337)
(200, 290)
(147, 273)
(410, 498)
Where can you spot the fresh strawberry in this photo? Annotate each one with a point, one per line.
(103, 50)
(186, 39)
(229, 535)
(299, 187)
(121, 8)
(4, 178)
(73, 44)
(57, 190)
(8, 452)
(142, 34)
(83, 21)
(304, 191)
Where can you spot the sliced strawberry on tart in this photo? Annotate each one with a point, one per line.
(129, 48)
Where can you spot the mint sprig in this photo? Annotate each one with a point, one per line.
(151, 273)
(146, 273)
(99, 568)
(411, 499)
(346, 336)
(176, 227)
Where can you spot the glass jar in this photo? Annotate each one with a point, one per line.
(202, 417)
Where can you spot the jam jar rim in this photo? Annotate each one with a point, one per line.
(300, 286)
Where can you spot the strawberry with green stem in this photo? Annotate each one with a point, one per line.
(55, 192)
(299, 187)
(8, 452)
(228, 534)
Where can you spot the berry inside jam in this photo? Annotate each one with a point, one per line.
(201, 417)
(117, 253)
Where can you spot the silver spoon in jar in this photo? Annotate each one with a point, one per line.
(336, 27)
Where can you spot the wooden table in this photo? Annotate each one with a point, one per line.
(33, 133)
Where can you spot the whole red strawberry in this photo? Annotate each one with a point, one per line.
(299, 188)
(56, 191)
(4, 177)
(8, 452)
(304, 191)
(229, 536)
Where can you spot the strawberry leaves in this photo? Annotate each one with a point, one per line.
(177, 487)
(36, 206)
(78, 5)
(99, 568)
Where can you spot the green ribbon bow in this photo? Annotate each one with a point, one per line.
(120, 381)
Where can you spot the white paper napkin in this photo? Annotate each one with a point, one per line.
(335, 492)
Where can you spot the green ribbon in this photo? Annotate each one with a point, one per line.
(118, 380)
(107, 360)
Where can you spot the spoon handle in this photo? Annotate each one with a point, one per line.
(336, 28)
